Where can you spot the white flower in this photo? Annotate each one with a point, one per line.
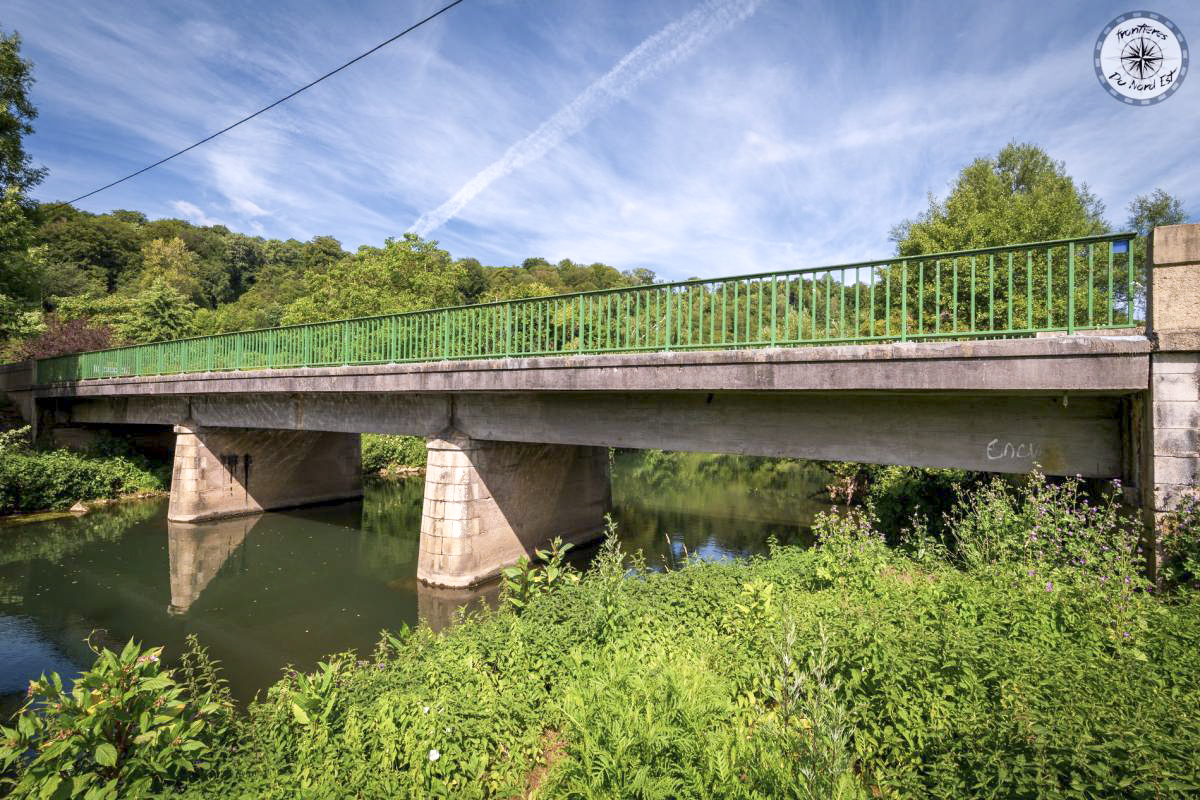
(425, 709)
(434, 755)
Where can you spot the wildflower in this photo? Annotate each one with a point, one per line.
(434, 755)
(425, 709)
(1049, 586)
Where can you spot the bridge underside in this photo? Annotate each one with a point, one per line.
(1066, 434)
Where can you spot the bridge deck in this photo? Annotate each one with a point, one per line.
(1095, 364)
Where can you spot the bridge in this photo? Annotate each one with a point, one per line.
(997, 359)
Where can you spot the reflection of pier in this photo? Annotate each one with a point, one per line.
(197, 553)
(437, 606)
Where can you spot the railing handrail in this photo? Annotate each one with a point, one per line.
(1104, 237)
(931, 286)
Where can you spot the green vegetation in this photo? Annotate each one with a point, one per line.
(36, 480)
(1026, 659)
(384, 453)
(125, 728)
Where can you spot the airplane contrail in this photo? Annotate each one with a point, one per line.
(664, 49)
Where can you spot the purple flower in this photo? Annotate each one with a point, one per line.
(1049, 586)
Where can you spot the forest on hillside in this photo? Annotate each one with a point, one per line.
(76, 281)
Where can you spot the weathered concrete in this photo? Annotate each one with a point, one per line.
(1171, 465)
(196, 553)
(221, 472)
(16, 385)
(487, 503)
(1104, 364)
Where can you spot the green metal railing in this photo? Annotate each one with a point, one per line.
(1018, 290)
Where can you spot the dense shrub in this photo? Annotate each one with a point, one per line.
(32, 480)
(385, 452)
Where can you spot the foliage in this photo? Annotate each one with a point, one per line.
(1051, 527)
(16, 117)
(846, 670)
(39, 480)
(1021, 195)
(404, 275)
(62, 336)
(381, 452)
(125, 729)
(524, 581)
(14, 441)
(1181, 543)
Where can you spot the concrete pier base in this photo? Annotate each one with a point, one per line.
(488, 503)
(224, 472)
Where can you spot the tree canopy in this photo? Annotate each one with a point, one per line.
(1020, 195)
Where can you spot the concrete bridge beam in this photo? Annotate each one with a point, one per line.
(487, 503)
(224, 472)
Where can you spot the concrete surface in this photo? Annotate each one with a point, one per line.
(221, 472)
(487, 503)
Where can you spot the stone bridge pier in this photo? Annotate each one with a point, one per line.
(488, 503)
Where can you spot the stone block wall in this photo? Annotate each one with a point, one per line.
(488, 503)
(222, 472)
(1173, 458)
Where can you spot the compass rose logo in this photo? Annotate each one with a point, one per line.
(1141, 58)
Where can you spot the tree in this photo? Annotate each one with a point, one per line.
(1149, 211)
(170, 261)
(404, 275)
(16, 117)
(63, 336)
(1021, 195)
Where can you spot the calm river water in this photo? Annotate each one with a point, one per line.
(290, 587)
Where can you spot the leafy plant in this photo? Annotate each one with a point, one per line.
(524, 581)
(125, 729)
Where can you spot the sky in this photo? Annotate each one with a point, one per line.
(690, 137)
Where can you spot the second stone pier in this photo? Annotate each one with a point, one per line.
(488, 503)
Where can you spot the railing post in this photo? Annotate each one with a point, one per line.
(508, 330)
(670, 302)
(903, 300)
(579, 313)
(345, 343)
(445, 335)
(1070, 288)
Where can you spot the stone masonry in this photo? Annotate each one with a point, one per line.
(487, 503)
(1173, 456)
(223, 472)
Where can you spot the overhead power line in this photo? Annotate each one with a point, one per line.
(266, 108)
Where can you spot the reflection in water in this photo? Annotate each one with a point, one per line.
(197, 551)
(269, 590)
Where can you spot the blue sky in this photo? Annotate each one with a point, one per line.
(693, 137)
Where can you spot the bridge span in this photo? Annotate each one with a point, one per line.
(518, 435)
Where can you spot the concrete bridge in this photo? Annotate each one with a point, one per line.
(517, 444)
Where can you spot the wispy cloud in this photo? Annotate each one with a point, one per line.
(669, 46)
(192, 213)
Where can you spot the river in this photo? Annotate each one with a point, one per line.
(287, 588)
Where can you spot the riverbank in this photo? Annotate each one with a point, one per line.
(33, 480)
(1028, 660)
